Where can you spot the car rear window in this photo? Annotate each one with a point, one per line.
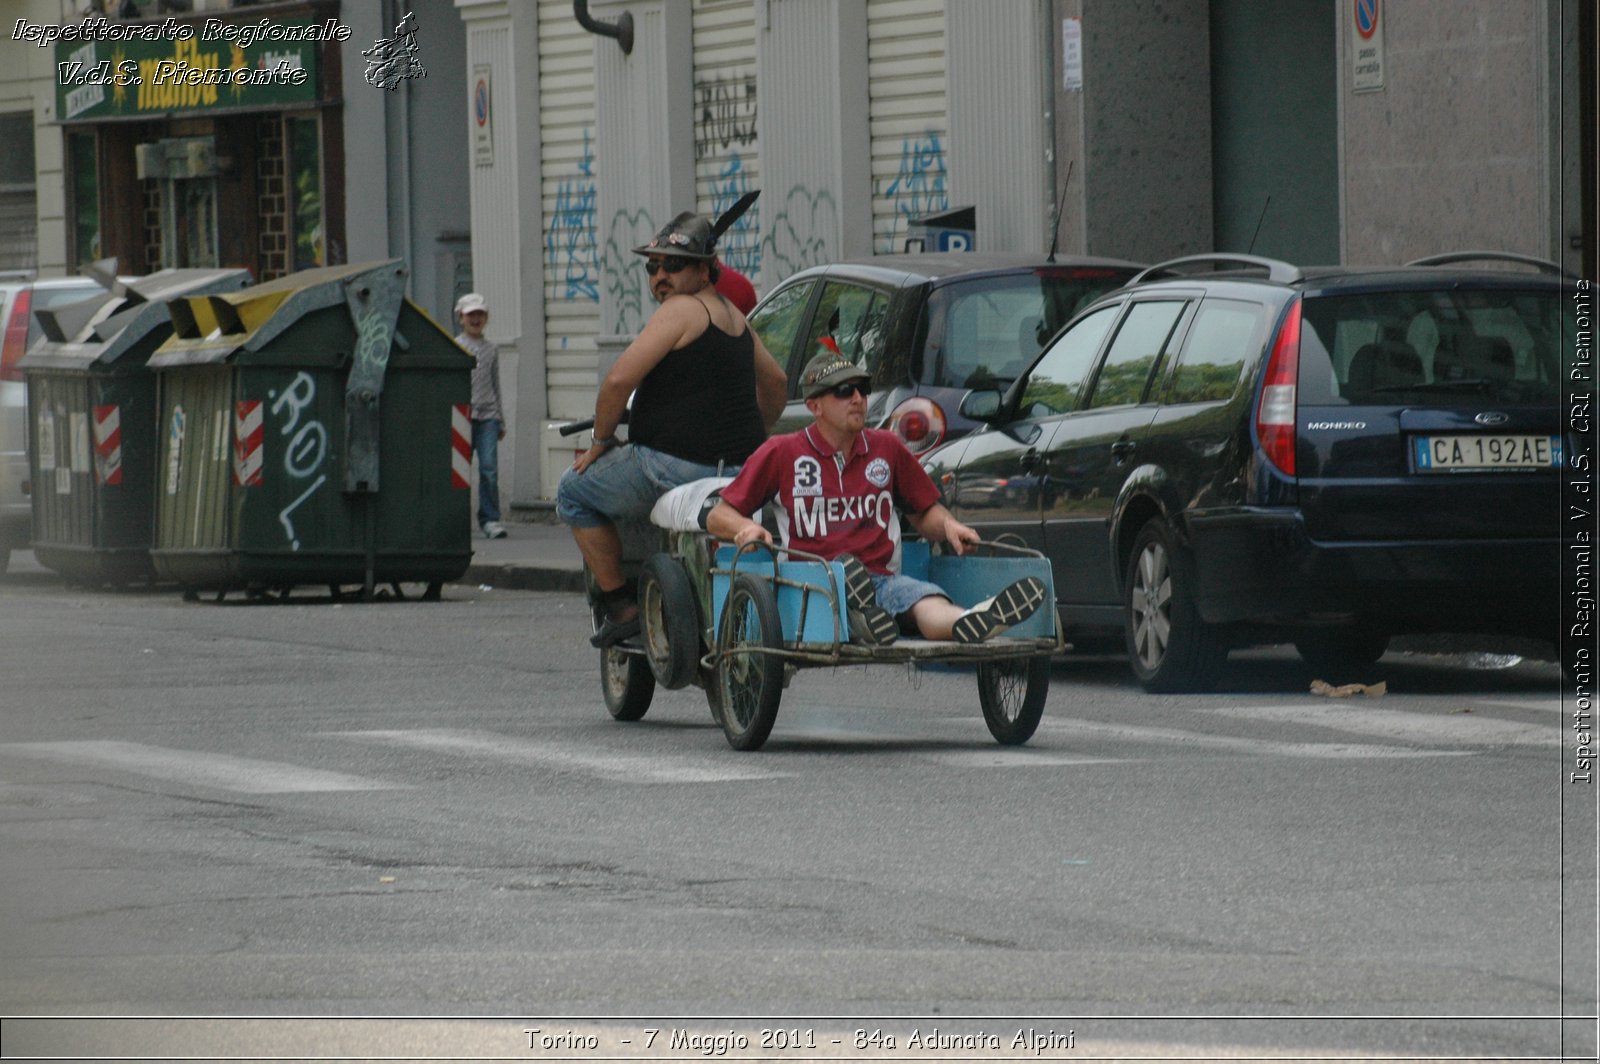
(1224, 335)
(984, 331)
(55, 296)
(1432, 348)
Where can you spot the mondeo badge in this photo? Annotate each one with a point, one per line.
(1492, 417)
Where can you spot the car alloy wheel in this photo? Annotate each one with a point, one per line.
(1170, 647)
(1150, 606)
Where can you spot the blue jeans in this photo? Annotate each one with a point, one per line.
(623, 484)
(486, 445)
(897, 593)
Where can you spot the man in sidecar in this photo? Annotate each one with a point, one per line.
(837, 485)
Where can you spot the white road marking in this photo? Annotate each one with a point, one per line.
(194, 767)
(1015, 757)
(1237, 744)
(1543, 705)
(1451, 729)
(623, 768)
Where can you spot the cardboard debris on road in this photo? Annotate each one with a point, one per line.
(1372, 690)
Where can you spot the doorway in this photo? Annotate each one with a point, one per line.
(189, 222)
(1274, 122)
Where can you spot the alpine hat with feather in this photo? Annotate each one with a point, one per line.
(694, 236)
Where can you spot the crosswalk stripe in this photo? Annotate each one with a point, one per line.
(1024, 757)
(194, 767)
(1543, 705)
(1441, 729)
(1238, 744)
(623, 768)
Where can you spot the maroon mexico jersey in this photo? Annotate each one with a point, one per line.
(830, 505)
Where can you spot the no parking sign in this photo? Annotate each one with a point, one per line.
(1367, 46)
(482, 120)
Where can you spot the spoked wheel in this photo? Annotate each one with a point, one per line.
(750, 682)
(671, 621)
(1012, 693)
(1169, 646)
(626, 682)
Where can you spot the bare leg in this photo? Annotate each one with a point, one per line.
(601, 548)
(935, 616)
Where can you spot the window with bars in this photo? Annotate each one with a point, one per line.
(19, 211)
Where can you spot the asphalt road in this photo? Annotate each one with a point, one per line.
(422, 809)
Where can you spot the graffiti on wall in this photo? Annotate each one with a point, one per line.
(624, 280)
(801, 229)
(740, 246)
(918, 189)
(725, 114)
(570, 246)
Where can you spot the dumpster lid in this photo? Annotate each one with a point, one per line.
(103, 328)
(214, 328)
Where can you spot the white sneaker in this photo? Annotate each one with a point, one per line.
(992, 616)
(494, 530)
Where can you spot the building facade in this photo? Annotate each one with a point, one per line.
(536, 153)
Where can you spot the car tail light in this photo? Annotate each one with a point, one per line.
(1275, 413)
(919, 423)
(15, 344)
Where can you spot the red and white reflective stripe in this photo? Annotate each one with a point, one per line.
(461, 446)
(108, 444)
(248, 433)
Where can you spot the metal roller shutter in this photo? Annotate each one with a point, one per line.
(907, 116)
(572, 261)
(726, 151)
(19, 229)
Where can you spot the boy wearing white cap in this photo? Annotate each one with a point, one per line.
(488, 417)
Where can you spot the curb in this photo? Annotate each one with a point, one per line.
(512, 577)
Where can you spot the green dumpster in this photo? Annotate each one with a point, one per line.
(313, 430)
(92, 419)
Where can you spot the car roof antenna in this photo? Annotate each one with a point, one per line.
(1055, 229)
(1259, 220)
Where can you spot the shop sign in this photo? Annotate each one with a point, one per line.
(200, 72)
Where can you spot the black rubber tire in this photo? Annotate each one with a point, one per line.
(1012, 693)
(1170, 648)
(711, 682)
(671, 621)
(627, 683)
(1341, 650)
(750, 685)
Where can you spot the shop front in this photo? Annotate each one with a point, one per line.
(206, 142)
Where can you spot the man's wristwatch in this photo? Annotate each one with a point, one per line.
(607, 441)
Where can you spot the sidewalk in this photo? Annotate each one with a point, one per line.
(538, 554)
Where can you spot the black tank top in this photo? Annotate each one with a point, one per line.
(699, 402)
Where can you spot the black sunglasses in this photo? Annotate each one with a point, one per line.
(849, 388)
(672, 264)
